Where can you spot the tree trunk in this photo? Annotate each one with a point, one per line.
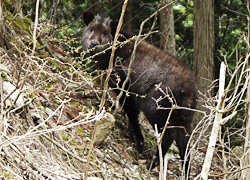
(167, 38)
(203, 46)
(246, 160)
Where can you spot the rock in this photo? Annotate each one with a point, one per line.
(238, 151)
(72, 85)
(4, 71)
(35, 116)
(8, 87)
(104, 126)
(4, 68)
(100, 154)
(51, 112)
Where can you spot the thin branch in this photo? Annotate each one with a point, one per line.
(106, 85)
(35, 28)
(65, 150)
(18, 150)
(216, 125)
(236, 12)
(157, 135)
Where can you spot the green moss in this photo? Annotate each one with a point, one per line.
(73, 141)
(26, 24)
(9, 16)
(22, 25)
(7, 6)
(47, 85)
(57, 102)
(54, 63)
(79, 130)
(65, 137)
(31, 95)
(69, 139)
(75, 103)
(170, 151)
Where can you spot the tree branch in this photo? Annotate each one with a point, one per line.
(35, 28)
(216, 125)
(105, 85)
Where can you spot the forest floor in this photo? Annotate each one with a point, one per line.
(49, 106)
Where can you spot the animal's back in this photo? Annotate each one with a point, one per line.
(153, 67)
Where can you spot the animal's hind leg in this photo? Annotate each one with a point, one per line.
(132, 113)
(167, 140)
(182, 138)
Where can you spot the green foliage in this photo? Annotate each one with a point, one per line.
(55, 64)
(7, 6)
(184, 30)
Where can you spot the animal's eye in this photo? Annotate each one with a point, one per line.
(91, 29)
(105, 33)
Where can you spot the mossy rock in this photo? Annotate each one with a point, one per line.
(103, 128)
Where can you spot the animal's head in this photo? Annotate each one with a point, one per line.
(99, 31)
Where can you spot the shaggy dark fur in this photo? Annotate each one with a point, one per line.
(151, 67)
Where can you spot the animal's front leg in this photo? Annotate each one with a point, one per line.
(132, 113)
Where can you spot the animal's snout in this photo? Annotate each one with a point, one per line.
(93, 44)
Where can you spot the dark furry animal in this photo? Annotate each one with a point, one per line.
(151, 67)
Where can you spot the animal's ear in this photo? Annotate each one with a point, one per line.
(88, 17)
(113, 26)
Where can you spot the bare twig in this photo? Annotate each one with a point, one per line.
(2, 102)
(18, 150)
(106, 84)
(65, 150)
(166, 95)
(35, 28)
(216, 125)
(165, 167)
(157, 135)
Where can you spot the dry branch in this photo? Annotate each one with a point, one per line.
(157, 135)
(106, 84)
(35, 28)
(65, 150)
(216, 124)
(246, 157)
